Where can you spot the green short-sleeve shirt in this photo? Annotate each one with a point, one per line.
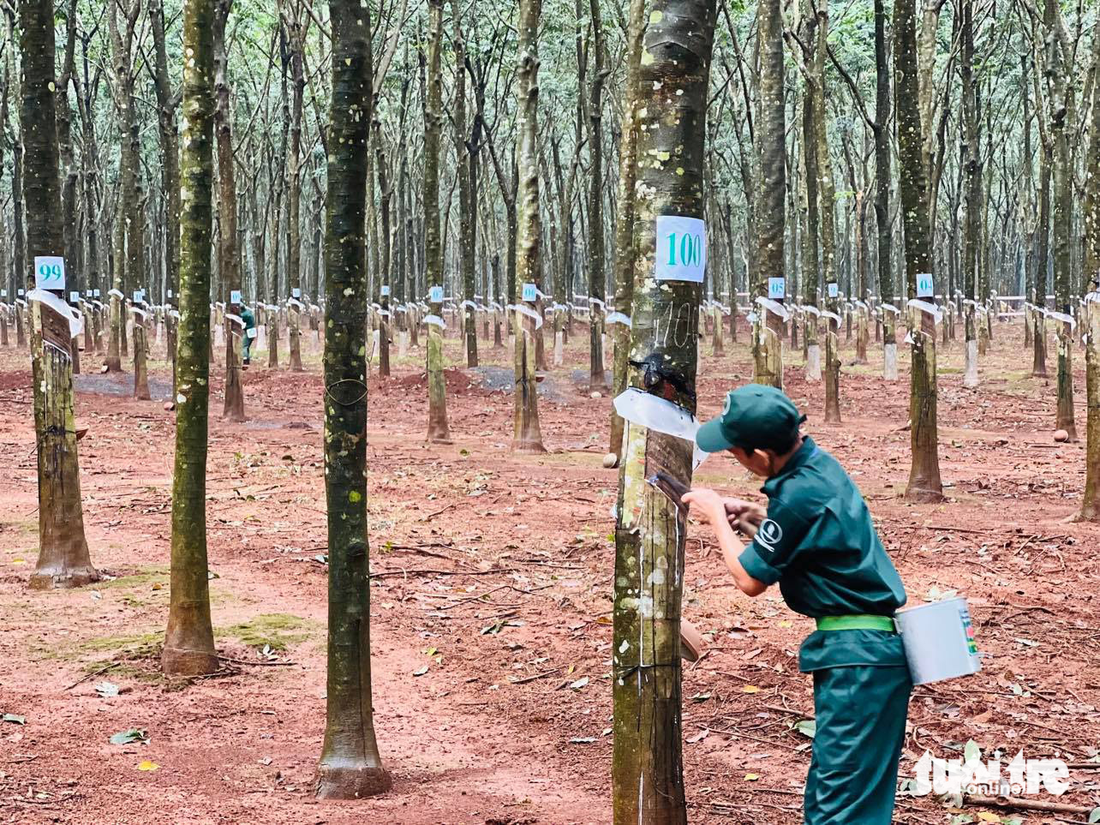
(819, 543)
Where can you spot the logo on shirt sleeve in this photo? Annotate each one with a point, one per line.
(769, 533)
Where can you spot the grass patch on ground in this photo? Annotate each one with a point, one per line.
(276, 630)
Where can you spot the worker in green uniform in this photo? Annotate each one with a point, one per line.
(249, 336)
(817, 540)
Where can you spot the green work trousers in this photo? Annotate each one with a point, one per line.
(860, 712)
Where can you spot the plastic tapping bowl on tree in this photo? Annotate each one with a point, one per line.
(939, 641)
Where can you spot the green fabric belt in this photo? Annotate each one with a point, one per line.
(856, 622)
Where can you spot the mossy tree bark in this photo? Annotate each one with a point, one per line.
(624, 217)
(189, 640)
(812, 224)
(228, 255)
(924, 474)
(63, 559)
(527, 434)
(350, 765)
(647, 774)
(433, 253)
(769, 203)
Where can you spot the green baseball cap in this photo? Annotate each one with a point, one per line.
(754, 417)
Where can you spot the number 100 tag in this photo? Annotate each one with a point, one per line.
(681, 248)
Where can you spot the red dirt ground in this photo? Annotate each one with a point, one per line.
(495, 571)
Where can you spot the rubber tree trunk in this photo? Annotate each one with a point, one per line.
(597, 381)
(624, 220)
(1039, 338)
(770, 210)
(350, 765)
(1062, 121)
(228, 254)
(1090, 504)
(294, 191)
(972, 166)
(647, 772)
(63, 559)
(527, 436)
(467, 205)
(141, 352)
(882, 195)
(433, 116)
(189, 640)
(924, 473)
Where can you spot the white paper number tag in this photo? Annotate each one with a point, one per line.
(385, 290)
(435, 295)
(49, 272)
(530, 293)
(234, 296)
(834, 290)
(925, 287)
(777, 288)
(681, 248)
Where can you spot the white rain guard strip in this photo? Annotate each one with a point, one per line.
(653, 413)
(435, 320)
(117, 294)
(618, 318)
(1061, 316)
(236, 319)
(774, 307)
(76, 324)
(925, 306)
(530, 313)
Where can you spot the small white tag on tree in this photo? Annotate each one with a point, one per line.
(234, 296)
(435, 295)
(777, 289)
(681, 248)
(925, 285)
(834, 290)
(530, 293)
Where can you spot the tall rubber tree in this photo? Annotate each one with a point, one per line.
(527, 434)
(433, 249)
(292, 21)
(883, 229)
(647, 773)
(770, 207)
(972, 164)
(228, 256)
(924, 472)
(596, 289)
(1062, 129)
(1090, 505)
(624, 218)
(467, 205)
(350, 766)
(129, 221)
(189, 640)
(63, 559)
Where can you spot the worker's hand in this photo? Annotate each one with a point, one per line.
(706, 505)
(744, 515)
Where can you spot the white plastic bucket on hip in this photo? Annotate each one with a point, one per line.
(939, 641)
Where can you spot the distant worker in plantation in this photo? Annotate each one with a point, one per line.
(249, 334)
(817, 540)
